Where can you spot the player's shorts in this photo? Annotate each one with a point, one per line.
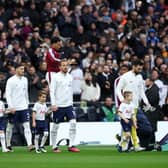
(64, 114)
(126, 126)
(41, 127)
(2, 123)
(20, 116)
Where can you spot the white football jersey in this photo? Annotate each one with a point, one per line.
(41, 110)
(127, 110)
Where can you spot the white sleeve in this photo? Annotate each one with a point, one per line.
(8, 92)
(142, 91)
(34, 107)
(27, 96)
(53, 86)
(121, 108)
(98, 92)
(120, 87)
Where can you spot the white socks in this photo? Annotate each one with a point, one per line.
(27, 133)
(54, 132)
(36, 141)
(72, 132)
(44, 139)
(2, 140)
(9, 131)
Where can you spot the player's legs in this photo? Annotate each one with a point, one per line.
(25, 119)
(3, 142)
(72, 132)
(43, 141)
(27, 133)
(72, 129)
(2, 135)
(54, 131)
(9, 131)
(45, 136)
(125, 140)
(36, 143)
(58, 117)
(135, 138)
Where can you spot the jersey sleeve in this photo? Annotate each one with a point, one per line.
(120, 87)
(34, 109)
(121, 108)
(8, 91)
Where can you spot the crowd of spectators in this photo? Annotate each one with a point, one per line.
(99, 36)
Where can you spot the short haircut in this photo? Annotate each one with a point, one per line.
(55, 40)
(63, 60)
(127, 93)
(137, 62)
(42, 92)
(124, 66)
(18, 65)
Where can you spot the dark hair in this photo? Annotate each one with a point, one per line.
(94, 80)
(42, 92)
(137, 62)
(18, 65)
(55, 40)
(124, 66)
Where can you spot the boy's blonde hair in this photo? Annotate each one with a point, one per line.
(127, 93)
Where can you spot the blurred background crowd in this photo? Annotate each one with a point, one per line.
(100, 39)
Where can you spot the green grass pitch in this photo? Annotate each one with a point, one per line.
(89, 157)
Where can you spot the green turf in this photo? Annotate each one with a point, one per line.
(89, 157)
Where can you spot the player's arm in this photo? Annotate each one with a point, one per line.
(48, 111)
(34, 119)
(142, 91)
(119, 89)
(53, 57)
(8, 91)
(27, 96)
(53, 89)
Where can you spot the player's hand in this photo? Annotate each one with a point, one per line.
(12, 110)
(126, 120)
(148, 107)
(54, 108)
(34, 124)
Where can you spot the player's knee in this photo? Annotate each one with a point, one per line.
(26, 127)
(72, 127)
(46, 133)
(9, 127)
(54, 129)
(127, 135)
(37, 137)
(72, 124)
